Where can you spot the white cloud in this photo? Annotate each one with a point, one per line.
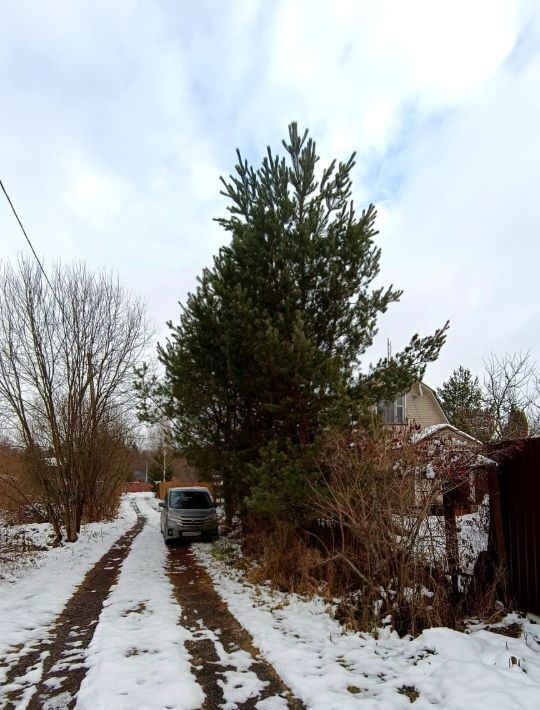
(462, 237)
(356, 64)
(120, 118)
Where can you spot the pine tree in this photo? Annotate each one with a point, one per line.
(268, 350)
(462, 400)
(517, 426)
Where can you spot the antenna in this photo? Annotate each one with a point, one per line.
(389, 349)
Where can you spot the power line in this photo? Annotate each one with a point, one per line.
(26, 236)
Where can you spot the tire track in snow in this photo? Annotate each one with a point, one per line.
(52, 671)
(138, 656)
(225, 662)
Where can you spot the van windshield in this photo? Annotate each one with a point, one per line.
(187, 500)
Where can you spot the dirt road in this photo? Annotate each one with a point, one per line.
(60, 656)
(220, 648)
(222, 663)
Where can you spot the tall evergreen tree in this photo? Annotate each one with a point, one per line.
(462, 400)
(517, 426)
(269, 347)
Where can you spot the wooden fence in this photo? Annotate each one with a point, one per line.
(164, 486)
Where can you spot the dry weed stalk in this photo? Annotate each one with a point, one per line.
(384, 533)
(386, 520)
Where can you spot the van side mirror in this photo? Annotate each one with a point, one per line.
(161, 505)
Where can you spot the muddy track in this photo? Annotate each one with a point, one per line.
(61, 654)
(217, 636)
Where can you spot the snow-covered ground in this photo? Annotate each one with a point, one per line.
(137, 657)
(31, 597)
(329, 668)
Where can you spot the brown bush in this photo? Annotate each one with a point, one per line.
(26, 482)
(285, 557)
(378, 496)
(19, 496)
(106, 472)
(378, 538)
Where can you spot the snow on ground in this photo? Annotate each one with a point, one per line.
(21, 547)
(30, 599)
(329, 668)
(472, 537)
(137, 658)
(33, 535)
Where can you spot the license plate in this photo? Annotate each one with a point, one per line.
(191, 534)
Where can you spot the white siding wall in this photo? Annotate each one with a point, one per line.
(423, 408)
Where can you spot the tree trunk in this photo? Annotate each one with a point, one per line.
(80, 510)
(52, 517)
(71, 524)
(451, 537)
(229, 502)
(53, 520)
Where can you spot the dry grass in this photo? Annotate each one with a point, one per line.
(410, 691)
(285, 558)
(19, 496)
(18, 550)
(370, 542)
(514, 630)
(139, 609)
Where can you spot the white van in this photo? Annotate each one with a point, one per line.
(188, 513)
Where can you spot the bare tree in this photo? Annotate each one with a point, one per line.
(68, 347)
(510, 386)
(161, 450)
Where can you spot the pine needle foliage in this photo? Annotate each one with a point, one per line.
(269, 349)
(463, 401)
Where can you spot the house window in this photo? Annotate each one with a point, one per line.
(393, 412)
(399, 410)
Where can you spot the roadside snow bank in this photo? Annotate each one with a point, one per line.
(329, 668)
(137, 657)
(30, 599)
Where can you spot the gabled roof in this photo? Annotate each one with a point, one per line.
(431, 431)
(435, 428)
(436, 397)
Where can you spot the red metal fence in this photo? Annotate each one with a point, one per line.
(519, 485)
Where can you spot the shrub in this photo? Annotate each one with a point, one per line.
(383, 534)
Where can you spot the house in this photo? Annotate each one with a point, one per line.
(419, 406)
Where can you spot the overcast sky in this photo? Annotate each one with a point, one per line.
(117, 119)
